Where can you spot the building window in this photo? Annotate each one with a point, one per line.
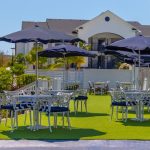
(107, 19)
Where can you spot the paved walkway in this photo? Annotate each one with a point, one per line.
(74, 145)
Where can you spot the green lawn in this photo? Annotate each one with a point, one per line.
(95, 124)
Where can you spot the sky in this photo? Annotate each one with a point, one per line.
(13, 12)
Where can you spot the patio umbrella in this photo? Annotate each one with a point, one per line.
(139, 44)
(128, 57)
(37, 34)
(65, 51)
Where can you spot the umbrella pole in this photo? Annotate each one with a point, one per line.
(139, 68)
(64, 54)
(36, 69)
(134, 75)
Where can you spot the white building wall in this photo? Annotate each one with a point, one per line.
(20, 48)
(97, 25)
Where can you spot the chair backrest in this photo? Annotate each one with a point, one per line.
(61, 99)
(117, 95)
(90, 84)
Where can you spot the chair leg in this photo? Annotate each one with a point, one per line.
(25, 119)
(77, 105)
(7, 112)
(63, 119)
(75, 109)
(116, 112)
(122, 110)
(30, 114)
(12, 121)
(112, 111)
(126, 111)
(16, 119)
(55, 120)
(40, 117)
(68, 120)
(81, 105)
(49, 124)
(85, 103)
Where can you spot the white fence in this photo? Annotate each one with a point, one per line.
(111, 75)
(85, 75)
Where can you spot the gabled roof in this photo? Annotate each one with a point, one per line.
(65, 25)
(69, 25)
(30, 24)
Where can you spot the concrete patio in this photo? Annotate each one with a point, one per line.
(73, 145)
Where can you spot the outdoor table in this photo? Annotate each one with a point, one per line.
(138, 96)
(99, 84)
(126, 85)
(36, 100)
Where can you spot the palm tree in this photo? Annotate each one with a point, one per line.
(31, 57)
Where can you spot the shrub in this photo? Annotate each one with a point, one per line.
(5, 79)
(25, 79)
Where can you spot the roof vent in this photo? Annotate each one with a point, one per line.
(80, 27)
(107, 18)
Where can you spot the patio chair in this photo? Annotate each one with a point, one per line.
(13, 105)
(146, 100)
(59, 104)
(91, 87)
(79, 97)
(119, 99)
(45, 107)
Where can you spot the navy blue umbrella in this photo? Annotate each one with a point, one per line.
(140, 44)
(38, 34)
(128, 57)
(65, 51)
(137, 43)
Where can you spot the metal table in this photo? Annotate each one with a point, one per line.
(139, 97)
(36, 100)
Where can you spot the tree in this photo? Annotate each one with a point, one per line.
(31, 57)
(17, 64)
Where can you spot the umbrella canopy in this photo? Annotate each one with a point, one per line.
(124, 56)
(65, 51)
(120, 53)
(137, 43)
(38, 34)
(129, 57)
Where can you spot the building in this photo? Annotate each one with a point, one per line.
(99, 31)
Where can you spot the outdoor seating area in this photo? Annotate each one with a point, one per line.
(94, 124)
(98, 87)
(72, 100)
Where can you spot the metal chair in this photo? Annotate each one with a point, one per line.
(119, 99)
(59, 104)
(12, 104)
(91, 87)
(80, 96)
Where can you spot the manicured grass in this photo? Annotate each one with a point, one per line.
(95, 124)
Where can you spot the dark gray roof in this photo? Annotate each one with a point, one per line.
(65, 25)
(134, 23)
(69, 25)
(30, 24)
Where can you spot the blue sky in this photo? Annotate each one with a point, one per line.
(13, 12)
